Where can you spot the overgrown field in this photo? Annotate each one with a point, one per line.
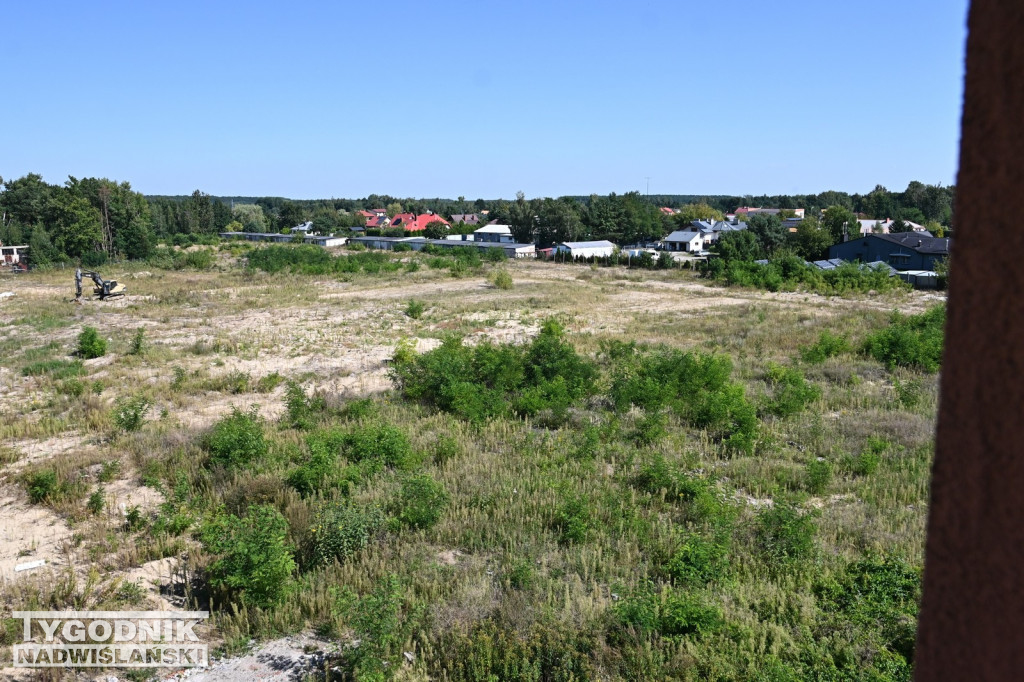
(477, 470)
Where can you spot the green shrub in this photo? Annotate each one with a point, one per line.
(573, 519)
(253, 555)
(381, 442)
(675, 614)
(299, 409)
(650, 428)
(489, 380)
(501, 279)
(109, 471)
(138, 342)
(415, 309)
(786, 534)
(696, 386)
(237, 440)
(421, 502)
(90, 345)
(269, 382)
(42, 485)
(684, 614)
(495, 254)
(908, 393)
(790, 392)
(700, 560)
(866, 463)
(827, 346)
(340, 530)
(74, 388)
(819, 476)
(381, 621)
(317, 472)
(880, 596)
(130, 413)
(445, 449)
(910, 341)
(96, 501)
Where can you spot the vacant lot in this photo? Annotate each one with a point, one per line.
(613, 539)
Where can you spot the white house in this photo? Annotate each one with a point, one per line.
(598, 249)
(885, 227)
(501, 234)
(685, 240)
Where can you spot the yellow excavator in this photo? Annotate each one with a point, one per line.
(105, 288)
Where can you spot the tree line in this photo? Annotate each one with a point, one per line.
(95, 219)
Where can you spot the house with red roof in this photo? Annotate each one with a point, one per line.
(376, 217)
(410, 222)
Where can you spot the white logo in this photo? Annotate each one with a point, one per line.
(110, 639)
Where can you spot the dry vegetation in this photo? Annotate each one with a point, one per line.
(598, 543)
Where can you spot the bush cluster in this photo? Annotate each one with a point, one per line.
(674, 613)
(254, 558)
(130, 413)
(90, 344)
(308, 259)
(910, 341)
(421, 502)
(341, 529)
(237, 440)
(827, 346)
(787, 272)
(695, 386)
(790, 392)
(490, 380)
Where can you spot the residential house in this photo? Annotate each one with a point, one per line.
(596, 249)
(411, 222)
(376, 217)
(885, 227)
(685, 240)
(468, 218)
(902, 250)
(501, 234)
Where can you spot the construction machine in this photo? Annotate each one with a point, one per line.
(105, 288)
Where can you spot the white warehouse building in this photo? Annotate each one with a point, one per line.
(598, 249)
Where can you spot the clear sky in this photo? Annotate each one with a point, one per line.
(481, 99)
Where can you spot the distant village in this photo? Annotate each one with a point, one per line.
(904, 248)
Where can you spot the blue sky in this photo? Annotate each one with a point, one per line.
(481, 99)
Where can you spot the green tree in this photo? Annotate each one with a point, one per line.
(251, 216)
(558, 221)
(436, 230)
(522, 219)
(699, 211)
(289, 215)
(769, 231)
(26, 200)
(40, 249)
(76, 224)
(812, 239)
(741, 245)
(392, 209)
(836, 219)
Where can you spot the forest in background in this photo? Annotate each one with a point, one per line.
(95, 219)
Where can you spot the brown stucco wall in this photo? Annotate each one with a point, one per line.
(972, 613)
